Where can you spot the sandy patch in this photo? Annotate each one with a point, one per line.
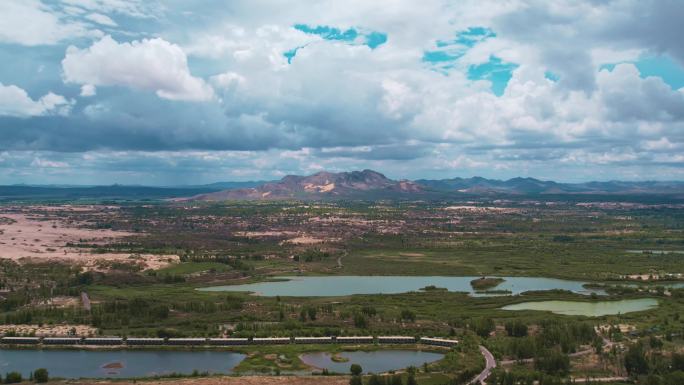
(38, 233)
(412, 254)
(303, 240)
(49, 330)
(259, 234)
(483, 209)
(61, 301)
(624, 328)
(319, 188)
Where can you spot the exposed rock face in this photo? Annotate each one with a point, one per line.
(369, 184)
(320, 185)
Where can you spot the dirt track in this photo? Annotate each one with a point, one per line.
(254, 380)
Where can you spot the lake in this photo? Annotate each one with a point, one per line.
(330, 286)
(116, 363)
(589, 309)
(372, 362)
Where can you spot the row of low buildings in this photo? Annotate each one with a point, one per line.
(133, 341)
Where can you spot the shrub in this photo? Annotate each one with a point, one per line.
(13, 378)
(356, 370)
(41, 375)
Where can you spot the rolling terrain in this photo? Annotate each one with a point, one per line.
(361, 185)
(369, 184)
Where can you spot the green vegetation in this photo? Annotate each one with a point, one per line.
(41, 375)
(243, 242)
(484, 283)
(13, 378)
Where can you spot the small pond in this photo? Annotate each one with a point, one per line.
(372, 362)
(330, 286)
(589, 309)
(116, 363)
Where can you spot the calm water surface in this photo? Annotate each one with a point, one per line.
(371, 362)
(590, 309)
(116, 363)
(331, 286)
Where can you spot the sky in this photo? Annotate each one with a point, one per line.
(190, 91)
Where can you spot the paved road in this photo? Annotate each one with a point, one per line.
(490, 363)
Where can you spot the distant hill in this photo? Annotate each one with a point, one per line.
(526, 186)
(227, 185)
(366, 184)
(118, 192)
(322, 185)
(369, 184)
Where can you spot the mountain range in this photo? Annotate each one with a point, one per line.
(354, 184)
(372, 184)
(366, 184)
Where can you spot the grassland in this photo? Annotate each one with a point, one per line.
(239, 242)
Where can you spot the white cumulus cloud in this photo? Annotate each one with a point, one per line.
(14, 101)
(30, 22)
(149, 64)
(88, 90)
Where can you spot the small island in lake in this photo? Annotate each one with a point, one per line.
(113, 365)
(434, 288)
(485, 283)
(338, 358)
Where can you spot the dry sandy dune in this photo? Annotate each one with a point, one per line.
(38, 233)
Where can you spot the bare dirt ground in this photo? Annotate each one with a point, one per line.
(59, 301)
(250, 380)
(305, 240)
(38, 233)
(481, 209)
(49, 330)
(416, 255)
(259, 234)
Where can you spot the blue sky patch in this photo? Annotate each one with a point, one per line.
(496, 71)
(551, 76)
(663, 67)
(375, 39)
(474, 35)
(352, 36)
(289, 55)
(439, 56)
(468, 38)
(447, 52)
(329, 33)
